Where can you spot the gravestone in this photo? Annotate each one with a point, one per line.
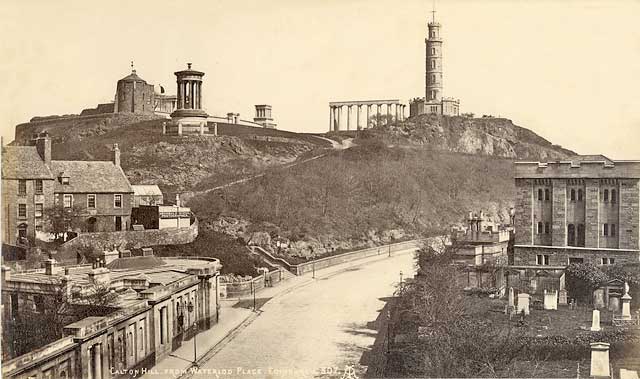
(551, 300)
(614, 303)
(598, 298)
(595, 321)
(523, 303)
(600, 359)
(562, 297)
(626, 303)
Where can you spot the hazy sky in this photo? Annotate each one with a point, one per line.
(568, 70)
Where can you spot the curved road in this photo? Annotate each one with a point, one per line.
(315, 331)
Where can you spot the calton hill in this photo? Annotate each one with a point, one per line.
(302, 197)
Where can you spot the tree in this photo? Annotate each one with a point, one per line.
(35, 327)
(62, 220)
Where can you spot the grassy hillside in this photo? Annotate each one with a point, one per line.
(350, 197)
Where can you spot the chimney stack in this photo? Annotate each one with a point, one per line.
(116, 155)
(43, 146)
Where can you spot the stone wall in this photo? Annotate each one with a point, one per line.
(129, 239)
(559, 256)
(245, 287)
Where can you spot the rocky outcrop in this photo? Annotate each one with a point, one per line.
(488, 136)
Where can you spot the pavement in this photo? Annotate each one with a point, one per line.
(236, 315)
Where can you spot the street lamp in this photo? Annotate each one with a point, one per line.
(195, 333)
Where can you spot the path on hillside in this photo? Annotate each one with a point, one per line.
(345, 144)
(316, 330)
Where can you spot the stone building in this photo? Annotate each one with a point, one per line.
(98, 192)
(482, 242)
(434, 102)
(263, 116)
(157, 304)
(27, 190)
(134, 95)
(584, 209)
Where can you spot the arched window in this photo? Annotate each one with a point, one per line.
(547, 195)
(547, 229)
(606, 195)
(613, 196)
(573, 195)
(539, 227)
(433, 64)
(579, 195)
(433, 78)
(540, 194)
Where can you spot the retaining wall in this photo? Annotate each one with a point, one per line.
(130, 239)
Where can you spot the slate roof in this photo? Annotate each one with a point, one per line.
(23, 162)
(146, 190)
(90, 177)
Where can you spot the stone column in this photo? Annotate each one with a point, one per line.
(600, 360)
(179, 94)
(388, 112)
(330, 117)
(97, 361)
(339, 109)
(215, 128)
(358, 117)
(396, 112)
(179, 128)
(377, 114)
(199, 95)
(626, 306)
(368, 112)
(164, 127)
(348, 116)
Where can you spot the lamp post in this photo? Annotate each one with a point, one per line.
(195, 333)
(313, 267)
(401, 281)
(389, 250)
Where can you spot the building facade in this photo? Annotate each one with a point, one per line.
(584, 209)
(434, 102)
(157, 304)
(27, 190)
(97, 194)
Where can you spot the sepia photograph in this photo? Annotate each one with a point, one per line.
(320, 189)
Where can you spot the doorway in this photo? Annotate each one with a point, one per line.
(118, 223)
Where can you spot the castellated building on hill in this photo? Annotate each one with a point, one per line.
(434, 102)
(584, 209)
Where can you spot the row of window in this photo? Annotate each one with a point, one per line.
(607, 229)
(579, 196)
(91, 201)
(22, 187)
(543, 260)
(22, 210)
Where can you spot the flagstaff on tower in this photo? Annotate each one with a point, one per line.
(433, 102)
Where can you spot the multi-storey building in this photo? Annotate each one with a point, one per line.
(98, 192)
(27, 189)
(156, 304)
(582, 209)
